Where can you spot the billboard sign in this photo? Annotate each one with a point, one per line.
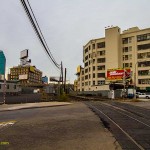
(23, 77)
(24, 54)
(32, 69)
(118, 74)
(78, 69)
(55, 79)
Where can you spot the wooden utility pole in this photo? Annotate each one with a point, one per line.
(65, 81)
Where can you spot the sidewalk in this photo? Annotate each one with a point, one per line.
(11, 107)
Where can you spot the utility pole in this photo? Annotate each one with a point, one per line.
(4, 87)
(62, 72)
(65, 80)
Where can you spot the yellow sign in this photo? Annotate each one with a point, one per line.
(78, 69)
(32, 69)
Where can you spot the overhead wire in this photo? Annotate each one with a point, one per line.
(44, 44)
(40, 29)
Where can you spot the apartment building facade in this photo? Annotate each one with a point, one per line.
(129, 49)
(27, 75)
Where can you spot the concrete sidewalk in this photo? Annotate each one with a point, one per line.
(11, 107)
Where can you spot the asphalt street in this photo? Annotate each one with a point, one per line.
(69, 127)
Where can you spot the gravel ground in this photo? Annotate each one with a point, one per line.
(144, 104)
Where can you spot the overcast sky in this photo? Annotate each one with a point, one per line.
(67, 25)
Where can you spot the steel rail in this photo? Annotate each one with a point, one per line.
(126, 114)
(138, 145)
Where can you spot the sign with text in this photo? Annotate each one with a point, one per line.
(118, 74)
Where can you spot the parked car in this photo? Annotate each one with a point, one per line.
(142, 95)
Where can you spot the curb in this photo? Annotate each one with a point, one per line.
(32, 107)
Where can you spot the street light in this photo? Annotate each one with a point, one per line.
(135, 80)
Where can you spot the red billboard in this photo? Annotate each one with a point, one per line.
(118, 74)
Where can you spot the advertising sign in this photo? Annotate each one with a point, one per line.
(118, 74)
(24, 54)
(32, 69)
(78, 69)
(23, 77)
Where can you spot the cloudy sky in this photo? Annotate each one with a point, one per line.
(67, 25)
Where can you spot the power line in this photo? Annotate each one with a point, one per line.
(40, 29)
(38, 32)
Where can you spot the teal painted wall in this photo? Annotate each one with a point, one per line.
(2, 63)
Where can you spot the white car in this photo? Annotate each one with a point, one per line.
(142, 95)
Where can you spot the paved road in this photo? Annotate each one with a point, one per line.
(71, 127)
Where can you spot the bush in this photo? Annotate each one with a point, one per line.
(63, 98)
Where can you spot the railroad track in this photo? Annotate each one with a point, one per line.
(130, 125)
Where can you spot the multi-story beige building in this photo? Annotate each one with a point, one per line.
(27, 75)
(129, 49)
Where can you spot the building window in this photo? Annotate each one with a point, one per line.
(144, 72)
(101, 45)
(89, 76)
(144, 81)
(125, 49)
(143, 47)
(86, 77)
(93, 82)
(130, 65)
(126, 57)
(89, 47)
(93, 61)
(144, 64)
(126, 40)
(7, 86)
(130, 56)
(93, 68)
(86, 83)
(101, 53)
(0, 86)
(101, 82)
(126, 65)
(100, 60)
(86, 64)
(86, 57)
(15, 86)
(101, 67)
(86, 70)
(143, 37)
(86, 50)
(89, 82)
(101, 75)
(82, 84)
(93, 46)
(93, 75)
(130, 48)
(143, 55)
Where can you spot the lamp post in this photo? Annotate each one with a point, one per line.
(135, 81)
(124, 78)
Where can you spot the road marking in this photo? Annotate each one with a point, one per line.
(8, 123)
